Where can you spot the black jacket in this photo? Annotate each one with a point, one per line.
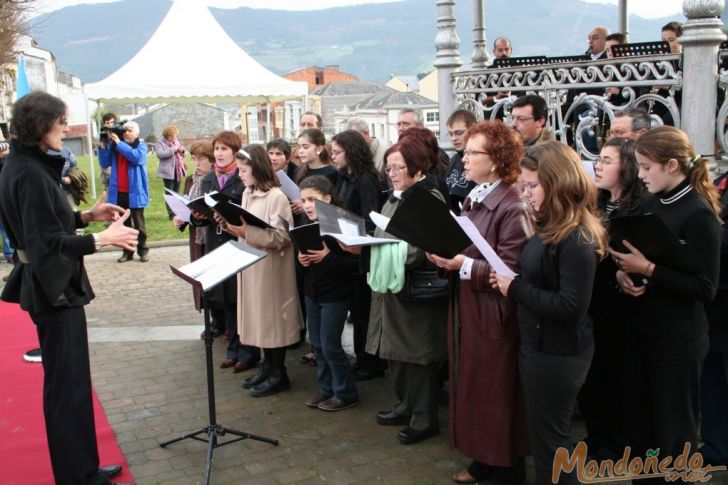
(360, 196)
(216, 237)
(331, 279)
(39, 221)
(673, 305)
(553, 294)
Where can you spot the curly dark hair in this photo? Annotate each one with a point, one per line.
(504, 146)
(34, 115)
(358, 154)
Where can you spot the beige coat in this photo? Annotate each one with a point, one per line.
(269, 315)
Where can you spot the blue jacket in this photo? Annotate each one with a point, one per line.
(138, 183)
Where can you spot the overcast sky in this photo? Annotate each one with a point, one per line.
(643, 8)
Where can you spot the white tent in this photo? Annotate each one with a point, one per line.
(162, 71)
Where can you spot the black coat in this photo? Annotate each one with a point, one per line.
(360, 196)
(40, 222)
(331, 279)
(553, 294)
(216, 237)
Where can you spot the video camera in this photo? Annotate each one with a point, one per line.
(117, 128)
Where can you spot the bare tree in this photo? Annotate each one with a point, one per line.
(12, 25)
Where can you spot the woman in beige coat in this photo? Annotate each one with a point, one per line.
(269, 315)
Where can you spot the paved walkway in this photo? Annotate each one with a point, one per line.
(149, 373)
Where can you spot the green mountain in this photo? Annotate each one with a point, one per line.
(370, 41)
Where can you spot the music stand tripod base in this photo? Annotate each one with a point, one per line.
(213, 431)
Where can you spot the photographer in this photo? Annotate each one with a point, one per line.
(50, 282)
(109, 120)
(128, 184)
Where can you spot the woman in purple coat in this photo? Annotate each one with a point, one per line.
(487, 412)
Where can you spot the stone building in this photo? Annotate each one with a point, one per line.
(193, 120)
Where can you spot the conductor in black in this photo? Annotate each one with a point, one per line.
(50, 282)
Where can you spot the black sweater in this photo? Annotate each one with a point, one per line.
(331, 279)
(553, 294)
(360, 195)
(672, 307)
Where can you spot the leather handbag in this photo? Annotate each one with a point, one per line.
(425, 284)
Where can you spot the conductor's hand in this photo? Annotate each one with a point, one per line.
(119, 235)
(318, 256)
(102, 211)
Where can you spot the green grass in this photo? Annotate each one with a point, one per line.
(159, 227)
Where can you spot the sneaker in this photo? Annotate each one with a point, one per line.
(337, 404)
(316, 400)
(33, 355)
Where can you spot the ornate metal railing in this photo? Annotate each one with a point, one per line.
(582, 97)
(721, 121)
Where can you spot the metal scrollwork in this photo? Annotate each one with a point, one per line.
(582, 97)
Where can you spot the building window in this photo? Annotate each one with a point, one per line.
(319, 77)
(433, 116)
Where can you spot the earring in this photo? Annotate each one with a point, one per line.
(492, 169)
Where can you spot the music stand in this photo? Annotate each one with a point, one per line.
(205, 274)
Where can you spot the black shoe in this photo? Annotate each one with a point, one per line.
(410, 436)
(277, 382)
(314, 401)
(109, 471)
(259, 377)
(33, 355)
(125, 257)
(337, 404)
(365, 375)
(391, 418)
(512, 475)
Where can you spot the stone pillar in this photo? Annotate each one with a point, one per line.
(447, 60)
(624, 18)
(480, 50)
(702, 35)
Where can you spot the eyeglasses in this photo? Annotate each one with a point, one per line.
(336, 153)
(456, 133)
(523, 119)
(469, 153)
(605, 161)
(618, 133)
(593, 37)
(395, 168)
(530, 185)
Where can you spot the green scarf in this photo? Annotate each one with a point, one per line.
(387, 267)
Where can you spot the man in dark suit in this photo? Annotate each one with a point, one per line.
(597, 43)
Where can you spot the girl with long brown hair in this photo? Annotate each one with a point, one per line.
(669, 340)
(553, 293)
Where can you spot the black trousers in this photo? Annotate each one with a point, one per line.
(173, 185)
(663, 394)
(551, 384)
(601, 399)
(417, 388)
(135, 220)
(67, 398)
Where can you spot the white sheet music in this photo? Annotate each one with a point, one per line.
(379, 220)
(178, 204)
(348, 228)
(485, 249)
(216, 265)
(288, 186)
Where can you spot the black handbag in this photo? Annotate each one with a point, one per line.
(425, 284)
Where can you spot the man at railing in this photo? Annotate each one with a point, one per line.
(529, 114)
(631, 123)
(597, 42)
(502, 48)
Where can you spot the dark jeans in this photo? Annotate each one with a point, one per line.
(714, 408)
(135, 220)
(550, 386)
(334, 372)
(7, 248)
(67, 396)
(246, 354)
(173, 185)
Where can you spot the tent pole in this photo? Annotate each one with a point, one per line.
(267, 122)
(89, 141)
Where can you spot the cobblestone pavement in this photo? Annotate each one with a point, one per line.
(154, 389)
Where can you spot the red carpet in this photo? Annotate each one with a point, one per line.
(24, 458)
